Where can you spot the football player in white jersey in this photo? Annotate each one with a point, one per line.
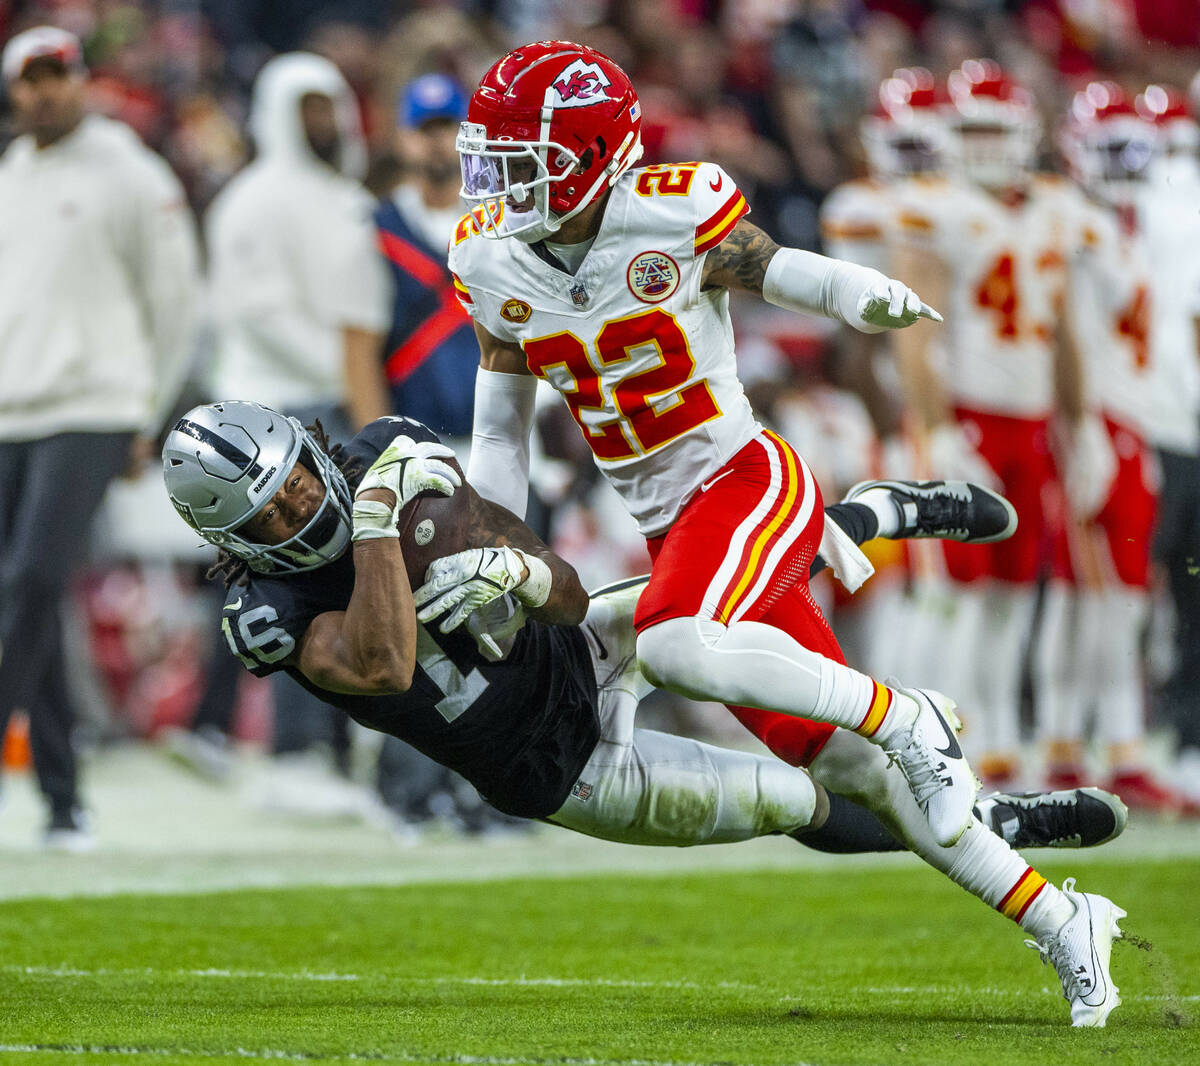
(992, 248)
(612, 284)
(1091, 661)
(905, 136)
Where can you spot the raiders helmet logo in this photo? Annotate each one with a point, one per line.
(516, 311)
(581, 84)
(652, 277)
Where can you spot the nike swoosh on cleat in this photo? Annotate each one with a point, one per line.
(951, 750)
(716, 185)
(602, 651)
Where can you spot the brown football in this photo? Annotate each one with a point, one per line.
(431, 526)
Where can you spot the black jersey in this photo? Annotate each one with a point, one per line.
(520, 730)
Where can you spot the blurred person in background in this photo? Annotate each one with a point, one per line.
(989, 246)
(1091, 667)
(98, 277)
(904, 138)
(299, 299)
(431, 353)
(1168, 216)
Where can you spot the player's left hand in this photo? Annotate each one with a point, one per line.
(462, 583)
(406, 468)
(890, 304)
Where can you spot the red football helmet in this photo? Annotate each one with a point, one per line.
(994, 122)
(552, 125)
(906, 133)
(1105, 142)
(1167, 109)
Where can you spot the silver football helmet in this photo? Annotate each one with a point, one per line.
(223, 462)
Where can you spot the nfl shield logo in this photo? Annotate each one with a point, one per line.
(579, 295)
(582, 790)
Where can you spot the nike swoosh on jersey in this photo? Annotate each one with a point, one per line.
(951, 750)
(716, 185)
(235, 605)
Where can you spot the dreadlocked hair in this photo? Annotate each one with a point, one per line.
(232, 569)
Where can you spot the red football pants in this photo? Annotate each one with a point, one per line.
(740, 551)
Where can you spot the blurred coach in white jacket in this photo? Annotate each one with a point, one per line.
(98, 277)
(300, 295)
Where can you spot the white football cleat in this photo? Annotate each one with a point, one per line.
(933, 764)
(1080, 953)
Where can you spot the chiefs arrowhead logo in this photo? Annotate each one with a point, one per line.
(516, 311)
(581, 84)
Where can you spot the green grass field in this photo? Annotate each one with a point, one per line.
(830, 968)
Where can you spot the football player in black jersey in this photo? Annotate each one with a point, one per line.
(527, 687)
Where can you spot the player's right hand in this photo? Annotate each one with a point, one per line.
(406, 468)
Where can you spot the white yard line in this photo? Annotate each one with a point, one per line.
(906, 991)
(277, 1054)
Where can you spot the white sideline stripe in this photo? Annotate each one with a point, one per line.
(303, 975)
(277, 1054)
(541, 982)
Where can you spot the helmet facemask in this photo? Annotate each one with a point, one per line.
(508, 183)
(324, 537)
(223, 464)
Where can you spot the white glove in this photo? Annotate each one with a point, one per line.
(472, 579)
(407, 468)
(1088, 467)
(951, 455)
(890, 304)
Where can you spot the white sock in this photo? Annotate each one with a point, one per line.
(980, 862)
(886, 510)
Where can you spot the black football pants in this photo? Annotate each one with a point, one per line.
(1177, 549)
(49, 492)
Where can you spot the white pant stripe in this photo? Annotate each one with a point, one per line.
(783, 543)
(730, 564)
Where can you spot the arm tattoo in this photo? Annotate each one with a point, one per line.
(740, 261)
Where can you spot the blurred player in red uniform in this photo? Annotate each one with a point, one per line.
(1094, 668)
(904, 138)
(612, 283)
(992, 247)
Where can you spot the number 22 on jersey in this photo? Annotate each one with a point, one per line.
(646, 417)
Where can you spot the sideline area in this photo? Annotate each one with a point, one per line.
(160, 829)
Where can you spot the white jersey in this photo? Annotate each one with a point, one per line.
(1006, 267)
(1111, 311)
(1167, 216)
(642, 356)
(856, 219)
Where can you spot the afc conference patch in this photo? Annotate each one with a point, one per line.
(652, 277)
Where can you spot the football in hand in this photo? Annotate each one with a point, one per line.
(432, 526)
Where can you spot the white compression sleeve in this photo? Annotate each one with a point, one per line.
(815, 284)
(499, 465)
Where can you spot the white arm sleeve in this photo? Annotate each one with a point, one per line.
(499, 465)
(807, 282)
